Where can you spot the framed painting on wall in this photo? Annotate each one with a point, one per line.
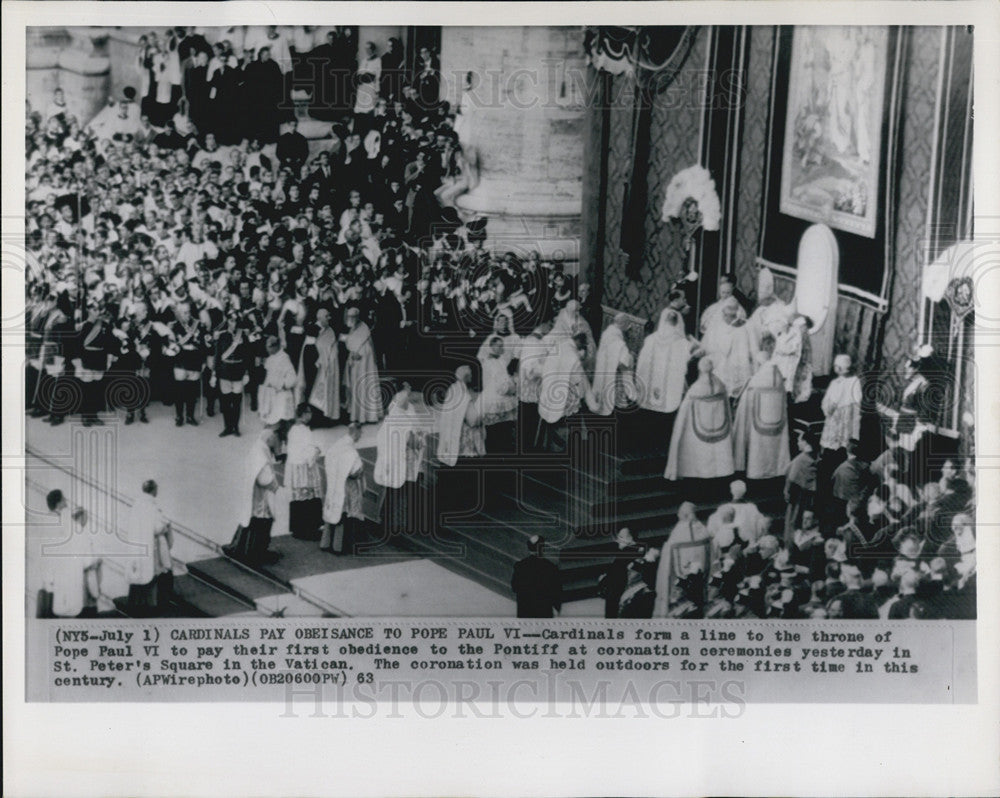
(833, 127)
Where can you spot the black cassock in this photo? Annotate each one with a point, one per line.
(264, 88)
(537, 585)
(196, 90)
(223, 105)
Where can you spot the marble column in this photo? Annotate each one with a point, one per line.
(525, 118)
(123, 51)
(42, 50)
(85, 72)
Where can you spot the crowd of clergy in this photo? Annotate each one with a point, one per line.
(180, 252)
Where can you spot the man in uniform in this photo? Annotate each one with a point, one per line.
(91, 360)
(232, 356)
(188, 352)
(134, 337)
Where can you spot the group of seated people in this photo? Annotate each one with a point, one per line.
(883, 553)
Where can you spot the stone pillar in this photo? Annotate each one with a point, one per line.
(123, 52)
(525, 115)
(42, 64)
(85, 72)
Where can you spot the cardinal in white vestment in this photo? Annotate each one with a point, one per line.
(564, 384)
(256, 514)
(749, 520)
(361, 378)
(400, 444)
(150, 533)
(304, 477)
(534, 352)
(276, 402)
(760, 432)
(399, 461)
(613, 383)
(688, 529)
(451, 417)
(701, 445)
(325, 392)
(792, 356)
(661, 374)
(344, 490)
(564, 387)
(72, 560)
(569, 323)
(662, 365)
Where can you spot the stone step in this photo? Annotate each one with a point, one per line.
(581, 506)
(287, 605)
(238, 580)
(198, 599)
(488, 577)
(487, 509)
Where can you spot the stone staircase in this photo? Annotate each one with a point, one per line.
(487, 509)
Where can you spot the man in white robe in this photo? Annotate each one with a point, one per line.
(612, 382)
(277, 393)
(760, 432)
(722, 529)
(792, 356)
(841, 406)
(771, 315)
(564, 386)
(529, 385)
(400, 444)
(324, 394)
(122, 117)
(304, 477)
(701, 445)
(71, 575)
(687, 530)
(713, 312)
(342, 510)
(613, 387)
(399, 461)
(499, 397)
(361, 377)
(569, 323)
(750, 521)
(661, 374)
(451, 417)
(253, 536)
(149, 571)
(503, 326)
(728, 342)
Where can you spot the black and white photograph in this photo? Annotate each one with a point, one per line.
(355, 321)
(485, 341)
